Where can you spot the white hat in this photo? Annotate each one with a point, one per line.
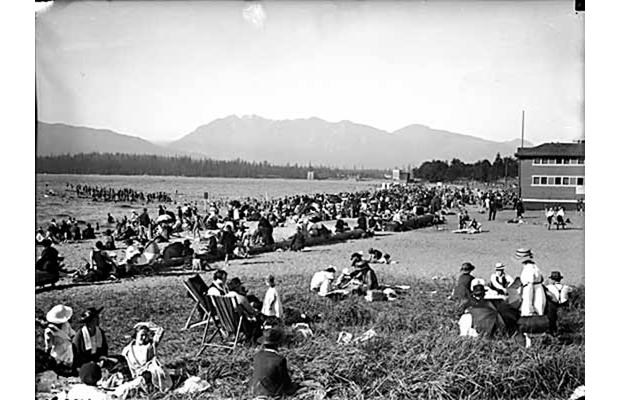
(59, 314)
(390, 293)
(499, 266)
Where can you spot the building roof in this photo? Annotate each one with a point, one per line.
(577, 149)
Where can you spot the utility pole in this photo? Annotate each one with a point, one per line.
(522, 144)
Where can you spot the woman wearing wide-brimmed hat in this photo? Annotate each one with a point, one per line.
(532, 290)
(271, 376)
(90, 343)
(59, 334)
(462, 291)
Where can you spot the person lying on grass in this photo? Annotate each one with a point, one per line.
(376, 256)
(141, 356)
(270, 376)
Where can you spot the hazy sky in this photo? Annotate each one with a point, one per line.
(159, 70)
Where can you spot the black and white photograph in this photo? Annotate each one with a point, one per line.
(309, 200)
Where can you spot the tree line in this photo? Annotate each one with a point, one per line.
(481, 171)
(136, 164)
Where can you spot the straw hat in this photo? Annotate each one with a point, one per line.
(59, 314)
(499, 266)
(271, 336)
(523, 255)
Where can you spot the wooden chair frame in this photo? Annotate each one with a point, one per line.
(229, 322)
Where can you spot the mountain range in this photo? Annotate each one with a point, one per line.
(302, 141)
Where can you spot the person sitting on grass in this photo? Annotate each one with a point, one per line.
(102, 265)
(322, 281)
(47, 267)
(58, 337)
(88, 232)
(141, 356)
(272, 303)
(499, 280)
(298, 241)
(108, 240)
(341, 226)
(462, 291)
(271, 376)
(90, 374)
(362, 272)
(90, 344)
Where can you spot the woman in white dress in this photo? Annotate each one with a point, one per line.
(141, 355)
(532, 290)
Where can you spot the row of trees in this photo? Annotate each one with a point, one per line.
(133, 164)
(482, 171)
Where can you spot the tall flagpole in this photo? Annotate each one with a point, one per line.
(522, 145)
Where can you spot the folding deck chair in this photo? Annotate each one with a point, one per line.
(197, 289)
(228, 320)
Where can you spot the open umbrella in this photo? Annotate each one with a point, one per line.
(163, 218)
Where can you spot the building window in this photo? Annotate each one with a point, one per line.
(565, 181)
(565, 161)
(573, 161)
(580, 181)
(543, 180)
(558, 180)
(537, 161)
(580, 161)
(551, 161)
(572, 180)
(544, 161)
(536, 180)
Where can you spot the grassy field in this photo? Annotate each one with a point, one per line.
(417, 352)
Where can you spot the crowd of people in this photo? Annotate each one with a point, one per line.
(109, 194)
(525, 303)
(222, 231)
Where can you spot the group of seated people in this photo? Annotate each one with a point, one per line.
(466, 224)
(85, 353)
(65, 231)
(357, 279)
(525, 303)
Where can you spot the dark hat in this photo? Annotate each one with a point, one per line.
(271, 336)
(90, 373)
(556, 276)
(357, 254)
(234, 283)
(108, 231)
(46, 242)
(90, 313)
(467, 267)
(479, 290)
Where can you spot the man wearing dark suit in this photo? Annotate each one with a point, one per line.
(271, 377)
